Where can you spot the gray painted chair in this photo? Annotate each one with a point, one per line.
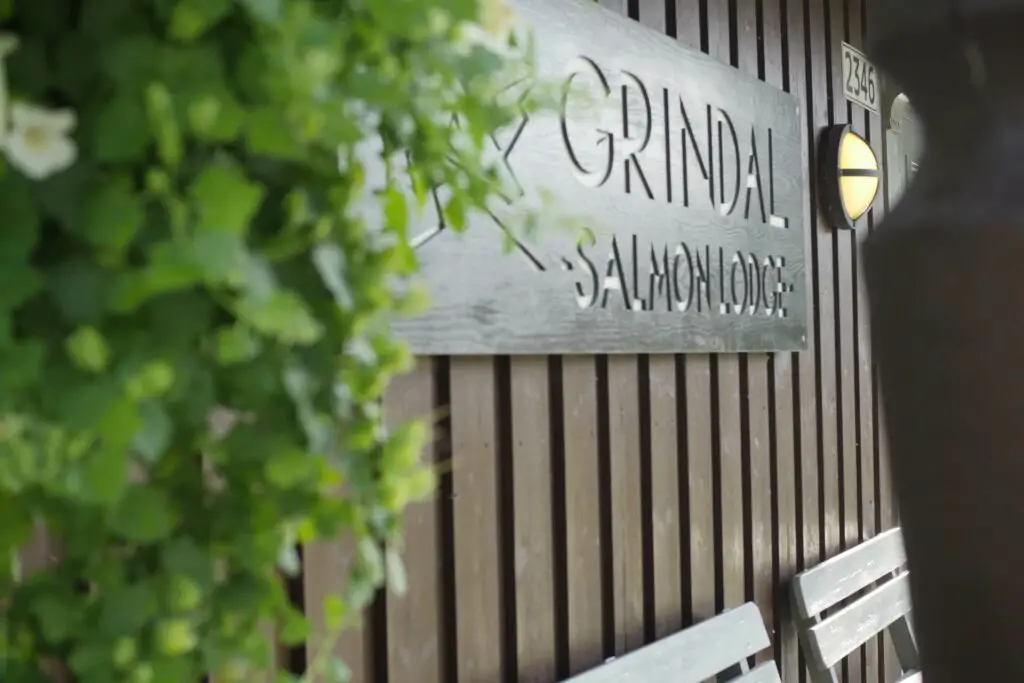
(718, 647)
(828, 640)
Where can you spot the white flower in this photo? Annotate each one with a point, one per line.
(38, 143)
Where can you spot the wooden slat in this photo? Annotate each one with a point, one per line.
(885, 501)
(697, 448)
(585, 597)
(534, 569)
(840, 634)
(751, 52)
(619, 6)
(414, 619)
(626, 503)
(730, 482)
(652, 14)
(826, 290)
(664, 456)
(845, 339)
(845, 574)
(475, 493)
(325, 572)
(690, 656)
(730, 445)
(687, 21)
(626, 498)
(871, 129)
(666, 510)
(701, 486)
(912, 678)
(810, 531)
(785, 364)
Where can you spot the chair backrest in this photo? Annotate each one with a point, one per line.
(831, 639)
(718, 646)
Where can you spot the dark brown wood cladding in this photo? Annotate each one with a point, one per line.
(590, 505)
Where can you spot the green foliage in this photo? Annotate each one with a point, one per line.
(194, 313)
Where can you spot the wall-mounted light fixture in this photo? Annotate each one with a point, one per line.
(849, 176)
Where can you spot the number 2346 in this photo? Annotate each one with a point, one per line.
(860, 77)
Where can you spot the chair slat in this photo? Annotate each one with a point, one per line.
(764, 673)
(691, 656)
(849, 628)
(915, 677)
(839, 577)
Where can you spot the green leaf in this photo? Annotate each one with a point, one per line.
(21, 220)
(153, 379)
(19, 282)
(216, 118)
(89, 660)
(121, 132)
(154, 437)
(144, 515)
(267, 134)
(330, 264)
(396, 211)
(129, 59)
(289, 467)
(58, 613)
(268, 11)
(104, 475)
(88, 349)
(79, 288)
(171, 267)
(125, 651)
(183, 556)
(120, 423)
(113, 215)
(236, 344)
(126, 609)
(335, 613)
(160, 109)
(221, 255)
(225, 199)
(184, 594)
(191, 18)
(282, 315)
(294, 629)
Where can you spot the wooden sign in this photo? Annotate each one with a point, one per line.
(860, 79)
(689, 178)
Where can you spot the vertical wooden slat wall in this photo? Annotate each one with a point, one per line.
(589, 505)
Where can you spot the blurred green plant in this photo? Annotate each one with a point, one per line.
(198, 271)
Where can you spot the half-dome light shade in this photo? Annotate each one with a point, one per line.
(850, 177)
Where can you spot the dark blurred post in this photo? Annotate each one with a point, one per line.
(946, 279)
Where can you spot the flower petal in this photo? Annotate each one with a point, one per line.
(40, 161)
(55, 121)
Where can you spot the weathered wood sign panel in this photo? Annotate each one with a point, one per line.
(688, 174)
